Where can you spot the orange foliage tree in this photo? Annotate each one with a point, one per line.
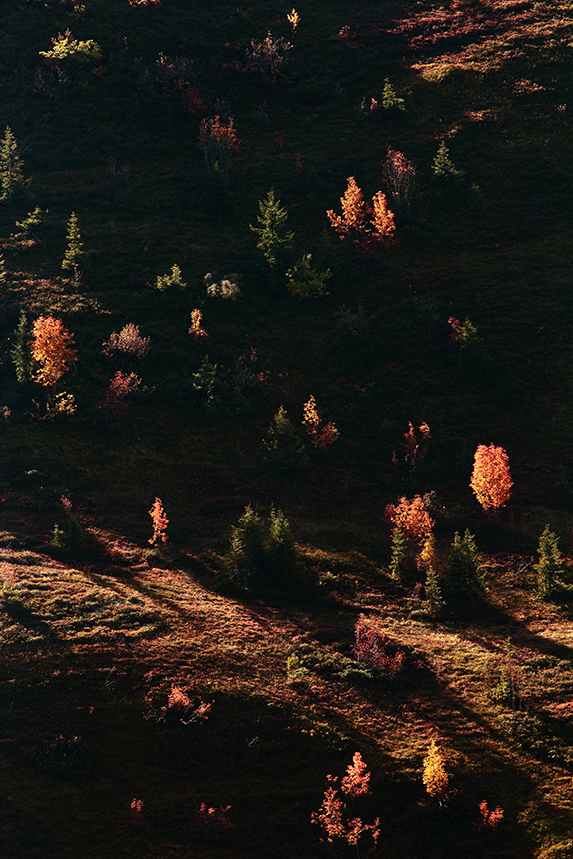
(412, 518)
(368, 226)
(52, 350)
(321, 434)
(332, 816)
(491, 481)
(160, 523)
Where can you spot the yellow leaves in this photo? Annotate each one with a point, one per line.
(367, 226)
(491, 480)
(434, 775)
(293, 18)
(322, 435)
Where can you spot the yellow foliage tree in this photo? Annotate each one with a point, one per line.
(434, 774)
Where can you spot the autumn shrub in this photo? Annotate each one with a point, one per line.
(269, 58)
(489, 820)
(160, 523)
(399, 176)
(372, 647)
(414, 522)
(128, 342)
(226, 287)
(322, 434)
(171, 280)
(368, 227)
(463, 333)
(219, 144)
(196, 329)
(334, 815)
(285, 450)
(120, 386)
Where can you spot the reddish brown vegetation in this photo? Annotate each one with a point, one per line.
(491, 481)
(51, 349)
(160, 523)
(369, 227)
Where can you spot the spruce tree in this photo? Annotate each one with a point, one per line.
(247, 556)
(285, 450)
(74, 251)
(390, 101)
(20, 352)
(443, 166)
(434, 602)
(464, 575)
(11, 167)
(550, 563)
(398, 562)
(272, 232)
(281, 549)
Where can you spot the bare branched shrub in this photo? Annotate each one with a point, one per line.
(268, 57)
(399, 175)
(129, 341)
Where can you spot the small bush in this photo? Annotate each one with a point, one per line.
(285, 450)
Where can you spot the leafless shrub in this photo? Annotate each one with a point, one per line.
(129, 341)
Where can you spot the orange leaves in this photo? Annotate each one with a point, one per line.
(412, 518)
(51, 350)
(321, 434)
(355, 782)
(160, 523)
(368, 227)
(196, 328)
(120, 386)
(491, 480)
(434, 773)
(331, 815)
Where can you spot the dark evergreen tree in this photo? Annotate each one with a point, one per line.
(285, 450)
(11, 167)
(465, 581)
(20, 352)
(550, 564)
(399, 560)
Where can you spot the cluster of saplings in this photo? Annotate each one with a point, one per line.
(262, 555)
(461, 581)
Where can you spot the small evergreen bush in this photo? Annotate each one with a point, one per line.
(285, 450)
(465, 580)
(550, 564)
(262, 556)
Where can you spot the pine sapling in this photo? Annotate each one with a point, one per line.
(272, 232)
(11, 167)
(20, 352)
(398, 566)
(550, 565)
(74, 250)
(443, 166)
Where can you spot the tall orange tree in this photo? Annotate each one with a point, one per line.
(491, 480)
(52, 350)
